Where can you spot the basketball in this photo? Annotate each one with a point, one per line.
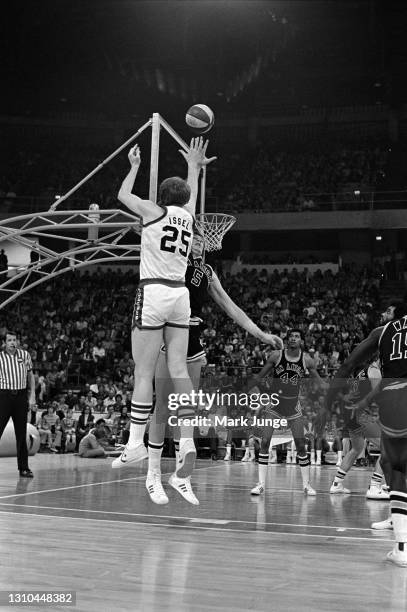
(200, 118)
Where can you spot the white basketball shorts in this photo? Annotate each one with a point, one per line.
(158, 305)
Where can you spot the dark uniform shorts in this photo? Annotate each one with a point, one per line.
(195, 349)
(351, 424)
(393, 410)
(288, 408)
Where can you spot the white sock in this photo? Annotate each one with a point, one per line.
(376, 480)
(262, 473)
(340, 456)
(305, 474)
(182, 440)
(319, 455)
(140, 411)
(398, 501)
(136, 436)
(154, 456)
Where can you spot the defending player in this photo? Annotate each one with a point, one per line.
(391, 340)
(361, 427)
(161, 309)
(200, 279)
(289, 367)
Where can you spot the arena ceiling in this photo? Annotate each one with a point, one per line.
(119, 58)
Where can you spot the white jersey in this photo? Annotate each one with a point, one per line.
(165, 245)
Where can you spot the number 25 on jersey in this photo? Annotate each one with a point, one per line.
(170, 241)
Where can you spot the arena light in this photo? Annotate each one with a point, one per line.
(378, 237)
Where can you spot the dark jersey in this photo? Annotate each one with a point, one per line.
(358, 385)
(287, 376)
(393, 349)
(197, 279)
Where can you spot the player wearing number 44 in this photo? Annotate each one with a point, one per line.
(289, 367)
(162, 309)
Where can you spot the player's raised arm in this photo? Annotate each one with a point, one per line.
(375, 376)
(145, 208)
(220, 296)
(196, 159)
(359, 355)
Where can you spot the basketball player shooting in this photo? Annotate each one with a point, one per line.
(200, 279)
(162, 309)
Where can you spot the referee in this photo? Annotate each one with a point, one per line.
(16, 378)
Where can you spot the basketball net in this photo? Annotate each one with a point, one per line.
(212, 227)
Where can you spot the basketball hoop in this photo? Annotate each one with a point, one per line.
(212, 227)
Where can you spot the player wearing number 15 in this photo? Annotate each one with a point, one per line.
(391, 396)
(162, 309)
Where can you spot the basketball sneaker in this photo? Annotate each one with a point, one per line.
(386, 524)
(308, 490)
(375, 492)
(130, 455)
(183, 486)
(155, 487)
(258, 489)
(337, 488)
(398, 557)
(186, 460)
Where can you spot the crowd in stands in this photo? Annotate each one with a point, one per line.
(272, 178)
(77, 329)
(264, 258)
(301, 181)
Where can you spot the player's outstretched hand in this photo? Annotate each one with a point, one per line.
(197, 153)
(134, 156)
(274, 341)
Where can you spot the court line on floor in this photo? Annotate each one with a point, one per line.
(243, 488)
(195, 527)
(91, 484)
(87, 484)
(187, 518)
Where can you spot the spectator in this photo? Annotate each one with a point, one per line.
(68, 427)
(120, 424)
(89, 446)
(85, 422)
(50, 430)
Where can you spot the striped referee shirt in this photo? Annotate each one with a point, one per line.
(14, 369)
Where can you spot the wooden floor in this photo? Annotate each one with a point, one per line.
(79, 525)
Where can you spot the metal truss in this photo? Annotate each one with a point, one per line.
(108, 233)
(106, 229)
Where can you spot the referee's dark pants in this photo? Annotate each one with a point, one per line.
(14, 404)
